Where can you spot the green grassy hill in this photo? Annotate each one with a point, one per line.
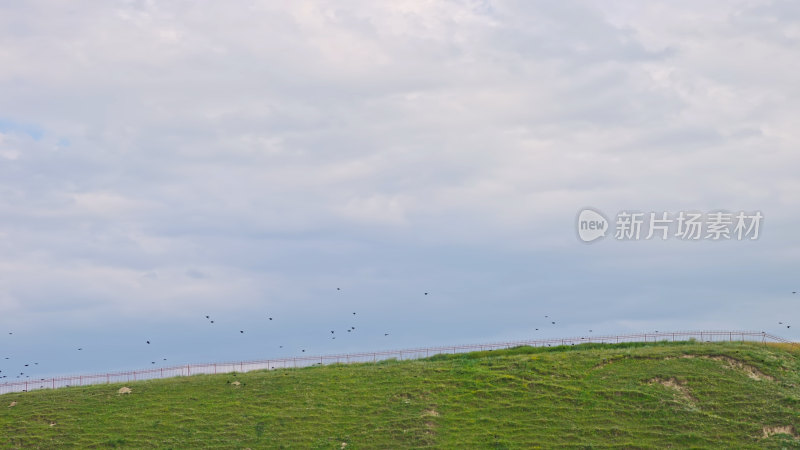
(688, 394)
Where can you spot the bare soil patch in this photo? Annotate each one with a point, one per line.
(732, 363)
(749, 370)
(771, 431)
(681, 391)
(430, 412)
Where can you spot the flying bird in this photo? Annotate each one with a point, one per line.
(148, 342)
(241, 331)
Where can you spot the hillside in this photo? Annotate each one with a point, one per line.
(731, 395)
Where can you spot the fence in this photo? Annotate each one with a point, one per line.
(415, 353)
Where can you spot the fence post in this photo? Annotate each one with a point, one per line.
(188, 370)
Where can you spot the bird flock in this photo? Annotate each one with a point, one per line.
(23, 368)
(149, 342)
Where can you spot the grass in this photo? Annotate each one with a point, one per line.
(685, 394)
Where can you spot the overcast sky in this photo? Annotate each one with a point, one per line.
(165, 160)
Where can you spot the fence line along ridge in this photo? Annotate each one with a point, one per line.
(413, 353)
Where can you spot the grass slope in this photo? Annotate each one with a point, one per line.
(629, 395)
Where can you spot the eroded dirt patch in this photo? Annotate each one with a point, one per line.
(771, 431)
(430, 425)
(749, 370)
(430, 412)
(733, 363)
(681, 391)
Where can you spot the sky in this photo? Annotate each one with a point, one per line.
(161, 161)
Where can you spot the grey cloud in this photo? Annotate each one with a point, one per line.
(254, 156)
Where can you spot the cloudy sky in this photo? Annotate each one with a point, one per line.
(165, 160)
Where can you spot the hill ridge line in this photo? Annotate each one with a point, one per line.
(408, 353)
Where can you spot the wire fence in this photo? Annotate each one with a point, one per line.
(414, 353)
